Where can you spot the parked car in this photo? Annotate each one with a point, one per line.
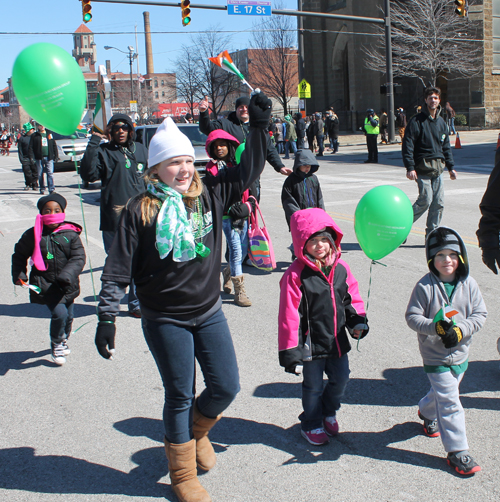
(198, 139)
(70, 149)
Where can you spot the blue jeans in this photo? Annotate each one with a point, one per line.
(176, 349)
(452, 126)
(334, 145)
(287, 148)
(237, 241)
(431, 197)
(45, 166)
(133, 302)
(319, 402)
(61, 321)
(321, 143)
(300, 143)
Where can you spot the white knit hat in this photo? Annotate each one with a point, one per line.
(168, 142)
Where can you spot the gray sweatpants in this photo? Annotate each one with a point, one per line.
(442, 402)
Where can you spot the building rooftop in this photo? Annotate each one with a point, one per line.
(83, 29)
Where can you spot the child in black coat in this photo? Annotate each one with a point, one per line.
(57, 260)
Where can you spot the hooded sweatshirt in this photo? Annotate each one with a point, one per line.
(301, 190)
(429, 296)
(108, 162)
(314, 304)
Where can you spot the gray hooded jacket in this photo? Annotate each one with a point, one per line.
(428, 298)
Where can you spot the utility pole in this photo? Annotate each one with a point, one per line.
(388, 69)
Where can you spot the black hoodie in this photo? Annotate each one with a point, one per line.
(300, 190)
(119, 183)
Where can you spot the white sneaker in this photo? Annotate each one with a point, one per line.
(66, 349)
(58, 353)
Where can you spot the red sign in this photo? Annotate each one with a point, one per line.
(175, 110)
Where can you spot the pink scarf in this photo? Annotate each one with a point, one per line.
(41, 220)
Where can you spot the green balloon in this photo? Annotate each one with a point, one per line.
(49, 85)
(382, 220)
(238, 152)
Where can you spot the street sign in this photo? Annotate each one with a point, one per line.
(248, 8)
(4, 105)
(304, 89)
(133, 106)
(302, 104)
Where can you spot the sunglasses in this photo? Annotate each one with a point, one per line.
(123, 127)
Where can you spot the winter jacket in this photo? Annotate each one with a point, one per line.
(428, 298)
(332, 126)
(240, 131)
(319, 127)
(300, 126)
(291, 134)
(489, 224)
(35, 147)
(426, 138)
(64, 255)
(23, 148)
(107, 162)
(301, 190)
(178, 291)
(313, 304)
(371, 125)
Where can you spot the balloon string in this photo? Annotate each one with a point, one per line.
(85, 229)
(373, 262)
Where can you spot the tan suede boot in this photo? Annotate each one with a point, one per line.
(183, 475)
(240, 295)
(205, 455)
(226, 277)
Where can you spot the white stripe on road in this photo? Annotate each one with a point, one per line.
(93, 240)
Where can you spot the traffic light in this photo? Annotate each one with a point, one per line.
(186, 11)
(461, 8)
(86, 11)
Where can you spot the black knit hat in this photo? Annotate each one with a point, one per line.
(439, 240)
(243, 100)
(325, 232)
(51, 197)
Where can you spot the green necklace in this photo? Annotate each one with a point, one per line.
(200, 249)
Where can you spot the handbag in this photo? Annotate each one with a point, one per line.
(260, 247)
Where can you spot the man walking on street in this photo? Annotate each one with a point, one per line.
(371, 129)
(119, 165)
(426, 151)
(319, 133)
(43, 151)
(290, 137)
(300, 129)
(23, 151)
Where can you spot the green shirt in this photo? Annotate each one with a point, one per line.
(456, 368)
(449, 287)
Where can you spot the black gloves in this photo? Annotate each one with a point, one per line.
(450, 333)
(490, 256)
(21, 277)
(259, 110)
(240, 210)
(105, 336)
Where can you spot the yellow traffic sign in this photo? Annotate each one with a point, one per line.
(304, 89)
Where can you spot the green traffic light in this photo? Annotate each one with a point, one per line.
(186, 21)
(87, 17)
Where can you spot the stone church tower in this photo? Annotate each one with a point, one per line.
(84, 50)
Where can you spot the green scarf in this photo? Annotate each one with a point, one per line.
(173, 228)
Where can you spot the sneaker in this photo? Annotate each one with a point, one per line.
(42, 192)
(135, 313)
(464, 464)
(431, 428)
(317, 437)
(331, 425)
(66, 349)
(58, 353)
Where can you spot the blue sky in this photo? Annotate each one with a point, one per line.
(64, 16)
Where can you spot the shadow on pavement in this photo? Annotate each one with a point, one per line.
(41, 311)
(18, 360)
(21, 469)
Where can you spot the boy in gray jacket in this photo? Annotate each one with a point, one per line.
(446, 308)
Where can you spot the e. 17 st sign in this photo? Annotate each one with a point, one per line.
(248, 8)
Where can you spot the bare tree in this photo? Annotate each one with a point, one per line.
(188, 77)
(213, 82)
(428, 41)
(274, 65)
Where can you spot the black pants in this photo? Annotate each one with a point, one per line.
(371, 143)
(30, 173)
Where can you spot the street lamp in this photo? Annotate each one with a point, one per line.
(131, 56)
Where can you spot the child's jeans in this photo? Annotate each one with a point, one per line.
(237, 241)
(61, 321)
(442, 402)
(319, 402)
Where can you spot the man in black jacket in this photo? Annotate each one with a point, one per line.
(119, 165)
(23, 151)
(426, 151)
(43, 152)
(237, 124)
(300, 128)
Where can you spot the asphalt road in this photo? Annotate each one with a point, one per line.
(91, 430)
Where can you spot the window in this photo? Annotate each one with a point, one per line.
(162, 82)
(163, 94)
(156, 83)
(496, 36)
(156, 95)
